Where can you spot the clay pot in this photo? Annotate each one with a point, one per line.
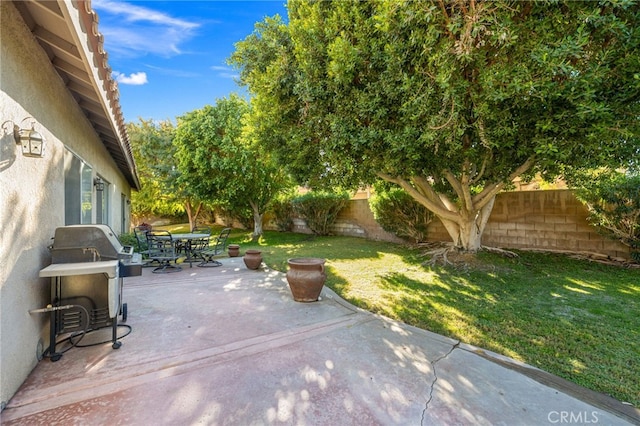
(306, 278)
(252, 258)
(234, 250)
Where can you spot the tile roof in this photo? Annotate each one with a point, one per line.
(68, 32)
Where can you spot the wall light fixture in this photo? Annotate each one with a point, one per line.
(32, 142)
(99, 184)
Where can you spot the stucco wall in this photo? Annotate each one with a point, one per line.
(32, 191)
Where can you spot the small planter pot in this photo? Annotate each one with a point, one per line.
(306, 277)
(234, 250)
(252, 259)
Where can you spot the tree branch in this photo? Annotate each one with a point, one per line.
(482, 133)
(448, 121)
(426, 188)
(485, 161)
(436, 207)
(455, 183)
(465, 184)
(446, 17)
(490, 191)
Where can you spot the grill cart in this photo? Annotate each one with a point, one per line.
(88, 267)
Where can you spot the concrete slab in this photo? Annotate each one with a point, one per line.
(229, 345)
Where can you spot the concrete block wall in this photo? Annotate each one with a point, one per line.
(546, 220)
(355, 220)
(551, 220)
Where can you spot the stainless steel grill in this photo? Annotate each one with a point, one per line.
(93, 243)
(87, 271)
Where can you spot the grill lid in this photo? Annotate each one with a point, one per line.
(87, 243)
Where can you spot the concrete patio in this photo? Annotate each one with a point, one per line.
(229, 346)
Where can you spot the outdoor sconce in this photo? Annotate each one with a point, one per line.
(99, 184)
(31, 141)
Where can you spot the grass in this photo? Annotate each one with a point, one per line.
(576, 319)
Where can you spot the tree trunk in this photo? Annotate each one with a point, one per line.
(466, 219)
(193, 215)
(466, 232)
(257, 222)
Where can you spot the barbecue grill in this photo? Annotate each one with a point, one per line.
(87, 271)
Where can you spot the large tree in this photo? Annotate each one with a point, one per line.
(222, 163)
(450, 100)
(151, 144)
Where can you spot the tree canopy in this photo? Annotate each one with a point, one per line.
(221, 163)
(448, 100)
(152, 148)
(613, 200)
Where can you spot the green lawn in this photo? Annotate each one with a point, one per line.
(576, 319)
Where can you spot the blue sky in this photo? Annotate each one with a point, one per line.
(169, 57)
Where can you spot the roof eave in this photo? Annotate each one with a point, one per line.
(68, 31)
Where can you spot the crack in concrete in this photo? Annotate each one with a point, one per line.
(435, 379)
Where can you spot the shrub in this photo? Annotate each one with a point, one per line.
(244, 216)
(282, 209)
(129, 239)
(400, 214)
(231, 217)
(320, 209)
(613, 201)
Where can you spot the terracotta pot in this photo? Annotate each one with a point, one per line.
(306, 278)
(234, 250)
(252, 258)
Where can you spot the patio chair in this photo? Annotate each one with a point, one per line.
(196, 246)
(201, 230)
(140, 233)
(162, 249)
(141, 238)
(218, 248)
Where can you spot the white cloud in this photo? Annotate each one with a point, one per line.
(225, 72)
(133, 13)
(228, 75)
(135, 79)
(134, 30)
(173, 72)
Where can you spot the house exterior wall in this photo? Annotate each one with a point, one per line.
(32, 196)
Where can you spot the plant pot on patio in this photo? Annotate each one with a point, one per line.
(306, 277)
(252, 258)
(234, 250)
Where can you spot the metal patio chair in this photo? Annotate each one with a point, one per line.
(140, 233)
(218, 248)
(196, 246)
(162, 249)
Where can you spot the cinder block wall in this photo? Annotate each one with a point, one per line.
(547, 220)
(357, 220)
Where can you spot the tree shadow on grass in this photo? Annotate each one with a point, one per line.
(578, 335)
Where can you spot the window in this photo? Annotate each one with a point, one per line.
(123, 213)
(78, 190)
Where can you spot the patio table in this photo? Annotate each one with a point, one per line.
(194, 243)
